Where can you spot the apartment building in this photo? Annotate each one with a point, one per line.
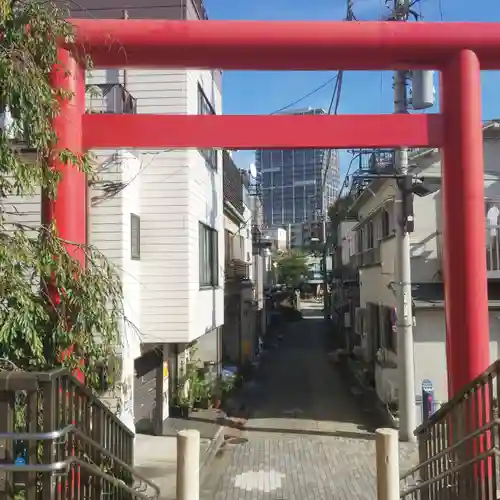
(365, 258)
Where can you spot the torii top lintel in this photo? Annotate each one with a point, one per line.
(284, 45)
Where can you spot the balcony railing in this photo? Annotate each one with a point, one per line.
(232, 182)
(237, 270)
(368, 257)
(459, 446)
(110, 98)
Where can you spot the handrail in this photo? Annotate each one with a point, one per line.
(65, 465)
(452, 470)
(65, 432)
(54, 375)
(448, 406)
(447, 450)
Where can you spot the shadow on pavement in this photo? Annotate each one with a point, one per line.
(298, 390)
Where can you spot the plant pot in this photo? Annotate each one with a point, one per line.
(202, 404)
(174, 412)
(181, 411)
(184, 411)
(216, 402)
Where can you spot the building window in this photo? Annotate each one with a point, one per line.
(369, 236)
(386, 224)
(359, 240)
(390, 333)
(209, 256)
(205, 108)
(135, 237)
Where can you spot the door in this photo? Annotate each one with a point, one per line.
(147, 368)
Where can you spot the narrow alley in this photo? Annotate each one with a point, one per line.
(309, 434)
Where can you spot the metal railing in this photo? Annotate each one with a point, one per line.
(58, 440)
(492, 248)
(237, 270)
(459, 446)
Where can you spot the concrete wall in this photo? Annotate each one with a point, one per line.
(109, 230)
(430, 356)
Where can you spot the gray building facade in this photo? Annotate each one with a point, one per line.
(298, 185)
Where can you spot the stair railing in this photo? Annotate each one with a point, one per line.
(459, 446)
(58, 440)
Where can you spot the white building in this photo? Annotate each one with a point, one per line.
(370, 247)
(179, 197)
(277, 236)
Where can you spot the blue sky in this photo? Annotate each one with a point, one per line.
(252, 92)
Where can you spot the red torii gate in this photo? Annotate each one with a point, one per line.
(458, 50)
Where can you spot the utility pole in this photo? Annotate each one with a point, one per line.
(406, 365)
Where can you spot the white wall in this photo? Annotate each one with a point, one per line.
(110, 231)
(177, 191)
(430, 356)
(205, 205)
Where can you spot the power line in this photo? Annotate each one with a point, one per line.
(334, 108)
(309, 94)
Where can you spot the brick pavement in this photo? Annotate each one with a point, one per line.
(309, 435)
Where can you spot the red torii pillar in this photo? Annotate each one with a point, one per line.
(454, 48)
(69, 209)
(465, 278)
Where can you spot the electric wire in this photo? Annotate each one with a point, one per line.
(305, 96)
(334, 107)
(112, 189)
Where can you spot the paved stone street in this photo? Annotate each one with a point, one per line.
(309, 435)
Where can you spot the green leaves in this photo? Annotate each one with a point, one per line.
(292, 268)
(48, 301)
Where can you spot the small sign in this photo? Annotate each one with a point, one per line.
(165, 369)
(20, 461)
(428, 404)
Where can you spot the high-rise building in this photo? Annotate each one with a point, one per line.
(298, 185)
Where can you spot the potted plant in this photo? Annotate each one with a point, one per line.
(202, 392)
(181, 404)
(185, 406)
(217, 393)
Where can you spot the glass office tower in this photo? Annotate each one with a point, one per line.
(297, 185)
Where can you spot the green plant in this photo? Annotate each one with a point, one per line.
(227, 385)
(292, 268)
(51, 304)
(190, 387)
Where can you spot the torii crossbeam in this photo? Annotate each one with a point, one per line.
(458, 50)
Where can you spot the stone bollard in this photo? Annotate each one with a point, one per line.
(387, 451)
(188, 465)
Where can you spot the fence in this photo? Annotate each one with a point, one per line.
(459, 446)
(58, 440)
